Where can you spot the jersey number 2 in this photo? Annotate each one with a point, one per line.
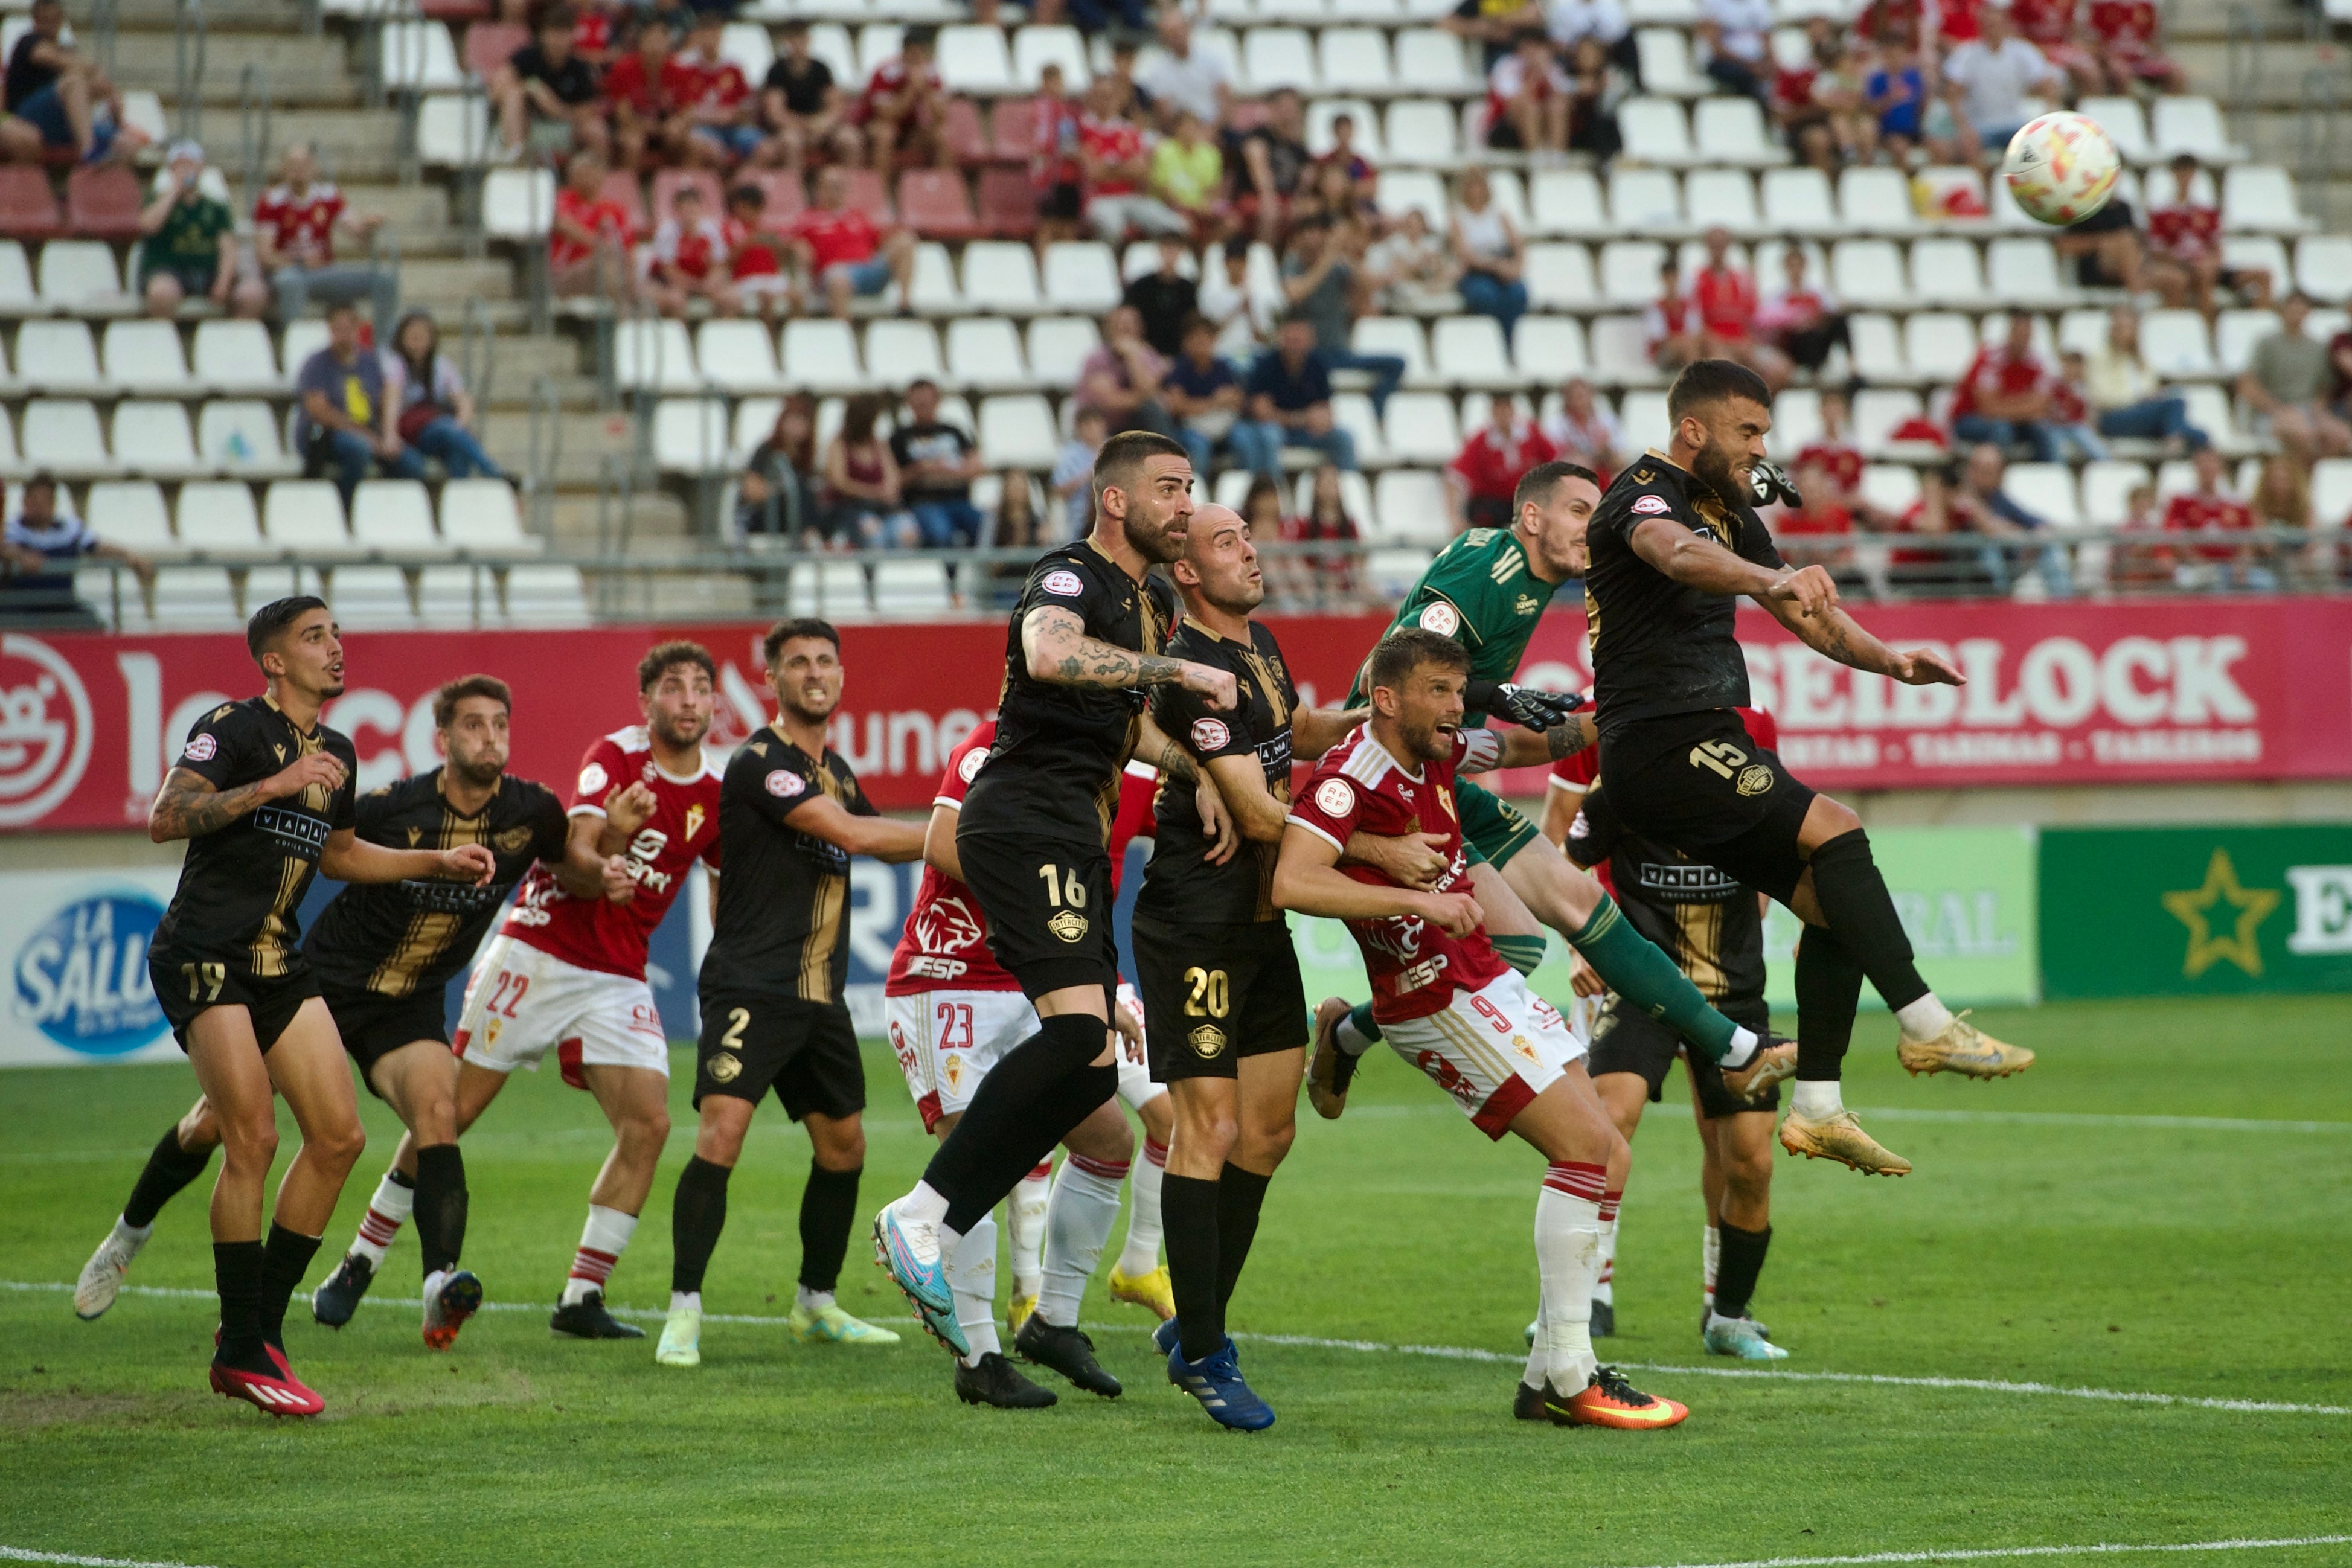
(1718, 757)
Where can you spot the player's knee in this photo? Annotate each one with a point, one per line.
(1074, 1040)
(249, 1140)
(1748, 1175)
(839, 1147)
(337, 1145)
(642, 1134)
(1263, 1148)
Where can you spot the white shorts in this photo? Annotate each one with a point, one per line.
(521, 1002)
(1582, 1013)
(1494, 1050)
(1136, 1088)
(946, 1041)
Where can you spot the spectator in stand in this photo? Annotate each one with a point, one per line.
(1832, 453)
(1493, 25)
(432, 409)
(1996, 73)
(1483, 476)
(1187, 174)
(755, 257)
(596, 31)
(841, 250)
(2004, 397)
(1272, 161)
(1244, 319)
(2208, 513)
(1074, 469)
(1529, 97)
(1727, 301)
(189, 250)
(1125, 376)
(1053, 173)
(1839, 98)
(1133, 103)
(2106, 248)
(37, 549)
(1322, 580)
(802, 108)
(1817, 533)
(2339, 366)
(937, 464)
(1113, 169)
(652, 92)
(2055, 28)
(2136, 562)
(690, 259)
(546, 96)
(1583, 431)
(1789, 101)
(1734, 47)
(1093, 16)
(1203, 393)
(2282, 499)
(1165, 300)
(294, 227)
(1671, 327)
(1290, 390)
(2184, 247)
(1411, 270)
(863, 506)
(1596, 87)
(2127, 400)
(2287, 381)
(1339, 199)
(1487, 248)
(723, 114)
(1184, 80)
(2070, 409)
(1017, 526)
(1980, 506)
(777, 494)
(589, 243)
(1319, 283)
(1898, 93)
(344, 424)
(1799, 318)
(1261, 509)
(904, 108)
(2125, 32)
(1571, 22)
(1952, 566)
(1346, 157)
(58, 99)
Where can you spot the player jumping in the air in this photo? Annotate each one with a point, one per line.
(791, 815)
(1714, 928)
(1083, 647)
(1675, 542)
(953, 1014)
(262, 792)
(1451, 1007)
(1487, 590)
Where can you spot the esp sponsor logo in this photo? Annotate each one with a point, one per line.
(81, 978)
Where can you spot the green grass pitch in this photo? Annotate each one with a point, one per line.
(2059, 1229)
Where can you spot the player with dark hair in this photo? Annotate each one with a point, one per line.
(1081, 651)
(1673, 542)
(791, 815)
(1451, 1006)
(262, 792)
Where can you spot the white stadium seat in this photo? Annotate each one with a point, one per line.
(821, 355)
(973, 59)
(985, 354)
(394, 515)
(2323, 267)
(900, 350)
(1420, 428)
(2046, 490)
(234, 358)
(144, 355)
(371, 598)
(1035, 46)
(2125, 122)
(1397, 335)
(17, 297)
(651, 355)
(1938, 344)
(1722, 198)
(2236, 333)
(1397, 191)
(188, 598)
(1275, 57)
(1732, 130)
(999, 274)
(1408, 507)
(2188, 124)
(152, 440)
(1876, 201)
(1058, 347)
(131, 514)
(2106, 492)
(2174, 343)
(1017, 432)
(305, 517)
(1559, 276)
(1081, 275)
(546, 595)
(1666, 67)
(2024, 271)
(738, 356)
(1644, 201)
(2253, 196)
(419, 57)
(518, 204)
(240, 437)
(1354, 60)
(481, 516)
(217, 516)
(62, 434)
(689, 436)
(1630, 270)
(1429, 61)
(1549, 349)
(1867, 272)
(1946, 272)
(59, 357)
(1797, 201)
(1656, 131)
(1566, 202)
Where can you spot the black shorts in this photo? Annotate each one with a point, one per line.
(1048, 932)
(807, 1051)
(374, 1026)
(1214, 994)
(1697, 782)
(1627, 1039)
(1062, 202)
(185, 988)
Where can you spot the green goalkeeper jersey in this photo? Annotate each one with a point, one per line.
(1481, 592)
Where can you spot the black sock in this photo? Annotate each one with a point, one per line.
(285, 1259)
(1240, 1194)
(169, 1168)
(1737, 1267)
(697, 1215)
(1187, 1218)
(1026, 1104)
(828, 1211)
(236, 1274)
(1855, 902)
(440, 1212)
(1829, 987)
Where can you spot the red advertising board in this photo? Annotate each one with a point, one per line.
(2162, 690)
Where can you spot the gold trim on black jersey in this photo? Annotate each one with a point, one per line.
(428, 931)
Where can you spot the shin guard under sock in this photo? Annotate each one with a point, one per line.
(169, 1168)
(285, 1259)
(441, 1202)
(697, 1213)
(1521, 953)
(1854, 902)
(1638, 970)
(1741, 1263)
(1188, 1210)
(828, 1213)
(1240, 1194)
(1026, 1104)
(1828, 988)
(238, 1269)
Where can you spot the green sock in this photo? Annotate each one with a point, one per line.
(1360, 1019)
(1638, 970)
(1521, 953)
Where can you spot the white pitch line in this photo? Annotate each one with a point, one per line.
(2103, 1548)
(23, 1555)
(1454, 1353)
(2017, 1118)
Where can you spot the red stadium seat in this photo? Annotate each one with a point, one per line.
(667, 183)
(103, 202)
(962, 131)
(935, 204)
(1011, 126)
(621, 186)
(489, 44)
(28, 208)
(1008, 202)
(868, 194)
(455, 10)
(785, 197)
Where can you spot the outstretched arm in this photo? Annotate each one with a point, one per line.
(1059, 652)
(1533, 748)
(347, 857)
(1308, 879)
(1837, 635)
(188, 807)
(1316, 730)
(883, 838)
(1697, 561)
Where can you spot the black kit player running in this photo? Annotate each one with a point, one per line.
(1673, 542)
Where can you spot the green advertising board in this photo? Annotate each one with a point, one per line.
(2136, 912)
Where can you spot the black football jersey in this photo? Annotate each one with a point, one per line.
(395, 939)
(1054, 771)
(241, 885)
(784, 904)
(1707, 923)
(1658, 647)
(1178, 886)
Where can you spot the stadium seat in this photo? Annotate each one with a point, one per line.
(217, 516)
(1644, 202)
(1621, 351)
(2323, 267)
(1058, 347)
(877, 42)
(1642, 413)
(689, 436)
(2125, 122)
(738, 356)
(1891, 488)
(1408, 507)
(491, 45)
(1035, 46)
(1797, 201)
(2174, 343)
(1356, 60)
(1667, 69)
(2046, 490)
(1549, 349)
(1429, 62)
(235, 358)
(973, 59)
(1656, 131)
(841, 591)
(2235, 334)
(1000, 276)
(1946, 272)
(1796, 422)
(1369, 141)
(131, 514)
(144, 355)
(1400, 336)
(1875, 201)
(1732, 130)
(1392, 571)
(1397, 191)
(937, 205)
(276, 580)
(985, 354)
(546, 595)
(1006, 205)
(932, 291)
(2190, 124)
(17, 295)
(151, 440)
(305, 517)
(58, 357)
(241, 437)
(453, 595)
(190, 597)
(902, 350)
(653, 356)
(1017, 432)
(481, 516)
(62, 434)
(2331, 491)
(2106, 492)
(1420, 428)
(1081, 275)
(28, 208)
(2024, 271)
(916, 587)
(1565, 201)
(103, 202)
(1938, 345)
(1469, 351)
(394, 515)
(820, 354)
(1629, 271)
(1877, 411)
(1869, 272)
(419, 56)
(1275, 57)
(1559, 276)
(2257, 196)
(370, 599)
(1722, 197)
(520, 203)
(453, 130)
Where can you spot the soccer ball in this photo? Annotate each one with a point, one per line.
(2061, 167)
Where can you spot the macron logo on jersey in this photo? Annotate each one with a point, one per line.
(1651, 506)
(1066, 583)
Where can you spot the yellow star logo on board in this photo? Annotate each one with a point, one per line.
(2192, 907)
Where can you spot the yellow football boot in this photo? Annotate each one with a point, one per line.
(1962, 1048)
(1017, 1307)
(1151, 1290)
(1840, 1138)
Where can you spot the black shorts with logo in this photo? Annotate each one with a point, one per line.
(185, 988)
(1627, 1039)
(1214, 994)
(374, 1025)
(806, 1051)
(1048, 932)
(1698, 782)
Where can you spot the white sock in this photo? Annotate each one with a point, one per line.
(1743, 1047)
(134, 1236)
(971, 1279)
(1351, 1038)
(433, 1282)
(924, 1206)
(602, 1242)
(1142, 1253)
(1604, 1289)
(1024, 1229)
(1568, 1262)
(1817, 1098)
(1925, 1019)
(813, 1301)
(1710, 1250)
(387, 1211)
(685, 1302)
(1083, 1207)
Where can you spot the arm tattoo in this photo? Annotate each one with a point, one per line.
(1567, 739)
(1152, 670)
(1177, 763)
(188, 807)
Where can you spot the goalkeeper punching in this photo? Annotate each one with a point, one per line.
(1487, 590)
